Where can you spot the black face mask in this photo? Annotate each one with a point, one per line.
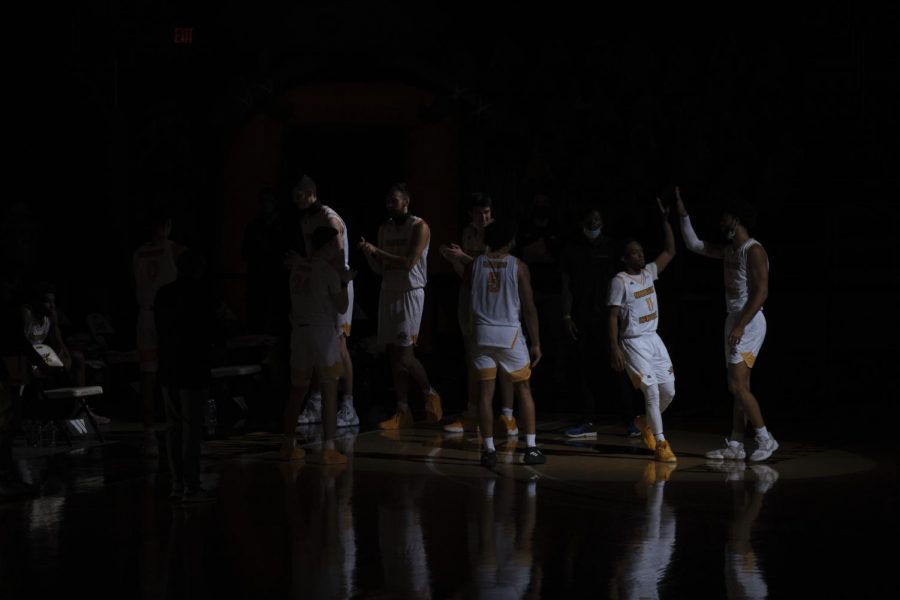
(311, 209)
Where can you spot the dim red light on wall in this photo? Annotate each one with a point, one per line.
(184, 35)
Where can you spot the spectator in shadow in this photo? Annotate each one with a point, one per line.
(11, 380)
(185, 325)
(540, 244)
(263, 248)
(153, 266)
(587, 265)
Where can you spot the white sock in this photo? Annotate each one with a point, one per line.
(660, 437)
(489, 444)
(348, 399)
(329, 444)
(531, 440)
(402, 407)
(762, 433)
(531, 489)
(315, 397)
(507, 412)
(736, 439)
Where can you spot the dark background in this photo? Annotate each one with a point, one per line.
(794, 110)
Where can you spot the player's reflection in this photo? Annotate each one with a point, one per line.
(501, 532)
(402, 542)
(323, 540)
(647, 557)
(744, 577)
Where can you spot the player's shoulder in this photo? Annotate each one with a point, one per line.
(331, 214)
(756, 246)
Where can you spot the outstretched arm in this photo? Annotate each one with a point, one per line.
(457, 258)
(420, 238)
(368, 251)
(691, 240)
(668, 253)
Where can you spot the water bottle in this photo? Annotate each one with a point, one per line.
(211, 417)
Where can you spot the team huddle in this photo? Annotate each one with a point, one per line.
(496, 298)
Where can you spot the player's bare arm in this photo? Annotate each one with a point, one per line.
(665, 257)
(369, 251)
(691, 240)
(616, 358)
(529, 312)
(420, 236)
(758, 292)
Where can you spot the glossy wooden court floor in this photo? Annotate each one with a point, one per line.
(413, 515)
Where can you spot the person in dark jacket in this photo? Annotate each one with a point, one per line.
(185, 322)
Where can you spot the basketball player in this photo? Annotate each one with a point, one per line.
(318, 296)
(634, 343)
(746, 289)
(459, 257)
(401, 258)
(500, 288)
(314, 214)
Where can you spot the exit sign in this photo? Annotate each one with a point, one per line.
(184, 35)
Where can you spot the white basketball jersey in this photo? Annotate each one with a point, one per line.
(312, 285)
(635, 295)
(735, 263)
(310, 223)
(396, 239)
(154, 266)
(495, 301)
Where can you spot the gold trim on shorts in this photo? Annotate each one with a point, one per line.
(488, 374)
(749, 358)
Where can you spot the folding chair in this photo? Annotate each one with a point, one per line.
(47, 372)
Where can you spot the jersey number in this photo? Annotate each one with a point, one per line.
(493, 281)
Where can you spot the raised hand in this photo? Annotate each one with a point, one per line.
(679, 203)
(663, 208)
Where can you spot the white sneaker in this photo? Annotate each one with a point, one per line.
(764, 448)
(312, 412)
(347, 417)
(732, 451)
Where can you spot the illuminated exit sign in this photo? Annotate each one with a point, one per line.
(184, 35)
